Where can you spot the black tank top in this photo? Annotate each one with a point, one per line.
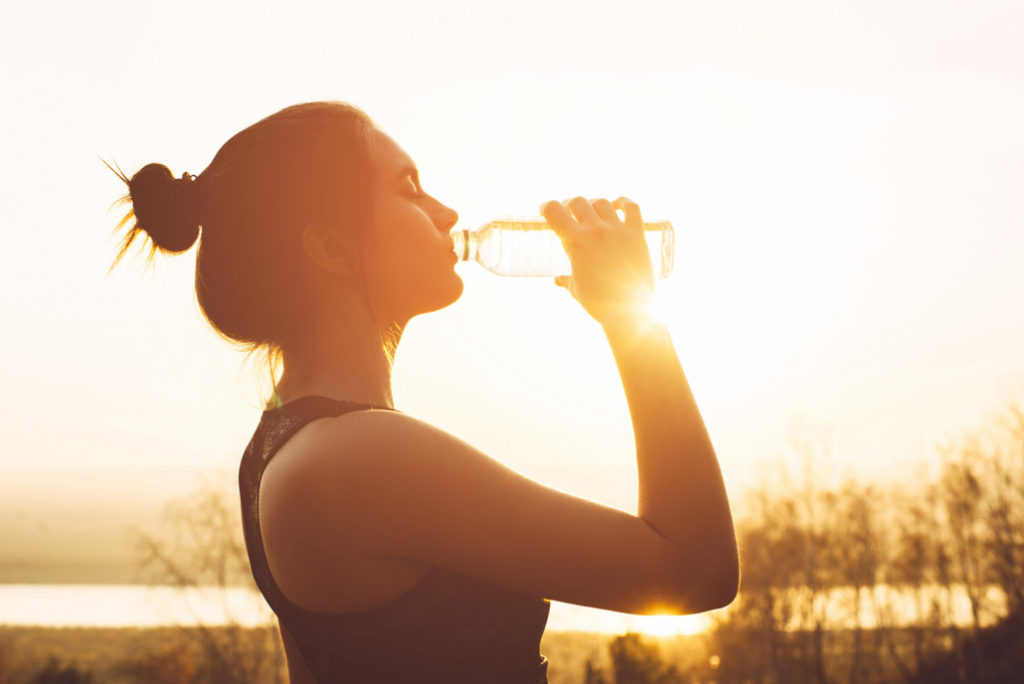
(451, 627)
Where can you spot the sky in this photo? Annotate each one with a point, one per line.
(844, 181)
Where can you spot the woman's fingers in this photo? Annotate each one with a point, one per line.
(631, 211)
(611, 266)
(605, 210)
(567, 216)
(559, 219)
(582, 210)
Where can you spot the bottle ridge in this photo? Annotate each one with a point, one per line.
(529, 247)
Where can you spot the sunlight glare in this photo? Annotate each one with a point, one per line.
(657, 306)
(672, 625)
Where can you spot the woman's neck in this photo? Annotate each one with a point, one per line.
(345, 366)
(361, 390)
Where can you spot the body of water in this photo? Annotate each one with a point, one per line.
(127, 605)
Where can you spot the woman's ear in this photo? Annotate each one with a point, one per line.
(326, 249)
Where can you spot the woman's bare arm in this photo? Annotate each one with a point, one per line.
(380, 484)
(681, 492)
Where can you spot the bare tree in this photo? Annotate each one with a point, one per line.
(811, 447)
(787, 574)
(1004, 506)
(914, 570)
(961, 494)
(856, 551)
(771, 544)
(200, 546)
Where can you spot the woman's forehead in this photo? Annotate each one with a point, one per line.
(390, 157)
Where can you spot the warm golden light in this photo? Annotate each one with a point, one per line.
(657, 306)
(844, 292)
(672, 625)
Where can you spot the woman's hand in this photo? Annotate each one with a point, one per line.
(612, 276)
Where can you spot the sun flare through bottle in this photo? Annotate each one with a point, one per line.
(529, 247)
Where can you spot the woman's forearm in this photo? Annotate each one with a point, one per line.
(681, 492)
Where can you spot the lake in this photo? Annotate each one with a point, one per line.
(128, 605)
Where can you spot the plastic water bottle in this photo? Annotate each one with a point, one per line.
(529, 247)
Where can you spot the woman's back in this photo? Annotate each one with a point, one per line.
(450, 627)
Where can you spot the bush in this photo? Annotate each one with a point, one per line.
(55, 673)
(635, 661)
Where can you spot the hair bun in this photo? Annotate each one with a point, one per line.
(167, 208)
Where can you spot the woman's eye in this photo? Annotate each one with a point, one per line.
(412, 187)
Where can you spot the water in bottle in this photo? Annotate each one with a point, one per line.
(529, 247)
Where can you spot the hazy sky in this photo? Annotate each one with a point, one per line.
(844, 179)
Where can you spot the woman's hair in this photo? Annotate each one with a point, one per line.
(308, 164)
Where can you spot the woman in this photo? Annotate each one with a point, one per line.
(390, 550)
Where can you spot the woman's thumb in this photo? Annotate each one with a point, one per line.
(562, 281)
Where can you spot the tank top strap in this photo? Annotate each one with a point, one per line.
(281, 423)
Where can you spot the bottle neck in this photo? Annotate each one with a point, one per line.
(465, 244)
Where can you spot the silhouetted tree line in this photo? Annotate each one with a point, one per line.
(922, 581)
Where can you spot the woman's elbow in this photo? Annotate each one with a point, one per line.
(729, 583)
(714, 586)
(725, 581)
(723, 592)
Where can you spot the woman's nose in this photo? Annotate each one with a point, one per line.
(446, 217)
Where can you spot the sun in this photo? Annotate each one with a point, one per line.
(657, 307)
(671, 625)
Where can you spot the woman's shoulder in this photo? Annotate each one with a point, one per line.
(314, 526)
(369, 469)
(346, 451)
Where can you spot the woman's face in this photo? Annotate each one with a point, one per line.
(411, 269)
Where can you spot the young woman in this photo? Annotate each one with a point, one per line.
(390, 550)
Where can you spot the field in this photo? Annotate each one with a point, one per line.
(127, 656)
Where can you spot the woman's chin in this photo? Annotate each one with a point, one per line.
(447, 296)
(456, 290)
